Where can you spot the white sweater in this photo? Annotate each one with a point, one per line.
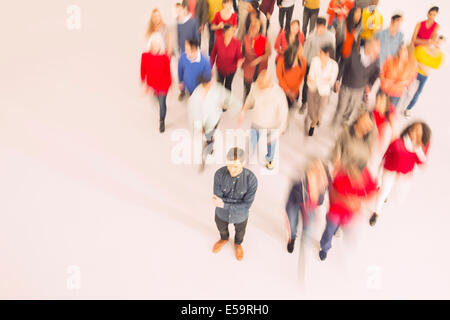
(322, 79)
(270, 108)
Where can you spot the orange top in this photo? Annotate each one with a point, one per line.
(291, 79)
(396, 75)
(348, 44)
(346, 5)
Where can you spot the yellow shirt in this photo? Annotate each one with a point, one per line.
(214, 7)
(427, 59)
(372, 22)
(312, 4)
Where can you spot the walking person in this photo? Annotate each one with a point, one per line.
(401, 158)
(289, 36)
(337, 13)
(349, 36)
(227, 54)
(256, 50)
(321, 79)
(187, 27)
(286, 9)
(214, 6)
(226, 16)
(291, 68)
(397, 73)
(270, 118)
(372, 21)
(426, 32)
(191, 66)
(255, 14)
(384, 117)
(310, 13)
(391, 39)
(202, 14)
(315, 40)
(305, 197)
(357, 74)
(428, 57)
(156, 74)
(243, 8)
(234, 192)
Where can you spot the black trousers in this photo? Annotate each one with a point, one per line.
(285, 12)
(225, 80)
(309, 15)
(222, 226)
(305, 86)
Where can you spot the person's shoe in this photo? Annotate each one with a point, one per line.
(322, 255)
(162, 126)
(373, 219)
(219, 245)
(290, 246)
(239, 252)
(224, 108)
(181, 96)
(302, 108)
(269, 165)
(407, 113)
(311, 131)
(318, 123)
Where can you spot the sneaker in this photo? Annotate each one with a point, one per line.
(373, 219)
(407, 113)
(290, 246)
(311, 131)
(162, 126)
(322, 255)
(302, 108)
(269, 165)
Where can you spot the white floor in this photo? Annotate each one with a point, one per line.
(92, 205)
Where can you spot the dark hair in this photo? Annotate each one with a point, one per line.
(434, 9)
(184, 4)
(226, 27)
(328, 48)
(321, 21)
(288, 31)
(236, 154)
(350, 19)
(289, 56)
(395, 17)
(255, 4)
(426, 131)
(193, 43)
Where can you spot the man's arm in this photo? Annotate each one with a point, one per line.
(247, 201)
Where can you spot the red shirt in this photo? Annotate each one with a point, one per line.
(226, 57)
(398, 159)
(340, 213)
(218, 19)
(424, 32)
(281, 44)
(155, 71)
(380, 119)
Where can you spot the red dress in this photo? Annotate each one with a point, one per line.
(155, 71)
(218, 19)
(398, 159)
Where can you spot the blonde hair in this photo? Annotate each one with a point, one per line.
(152, 27)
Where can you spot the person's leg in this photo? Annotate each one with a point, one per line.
(327, 236)
(292, 214)
(289, 12)
(162, 107)
(229, 81)
(387, 184)
(271, 145)
(211, 38)
(306, 17)
(222, 226)
(254, 138)
(313, 19)
(240, 232)
(305, 86)
(422, 79)
(220, 78)
(355, 99)
(209, 145)
(281, 15)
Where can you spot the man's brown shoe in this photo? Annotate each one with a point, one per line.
(239, 252)
(219, 245)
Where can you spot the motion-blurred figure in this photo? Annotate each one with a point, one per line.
(156, 75)
(372, 21)
(269, 116)
(310, 13)
(234, 192)
(401, 158)
(287, 37)
(305, 196)
(390, 38)
(426, 32)
(157, 25)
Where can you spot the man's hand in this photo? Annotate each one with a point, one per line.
(218, 202)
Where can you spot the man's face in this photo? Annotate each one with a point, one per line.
(397, 24)
(235, 167)
(320, 29)
(191, 51)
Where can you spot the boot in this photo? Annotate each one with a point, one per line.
(373, 219)
(311, 131)
(290, 246)
(239, 252)
(162, 126)
(322, 255)
(219, 245)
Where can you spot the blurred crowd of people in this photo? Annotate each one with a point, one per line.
(348, 54)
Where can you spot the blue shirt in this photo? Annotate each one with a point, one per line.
(189, 72)
(389, 45)
(237, 194)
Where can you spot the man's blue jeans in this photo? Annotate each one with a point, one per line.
(254, 138)
(327, 236)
